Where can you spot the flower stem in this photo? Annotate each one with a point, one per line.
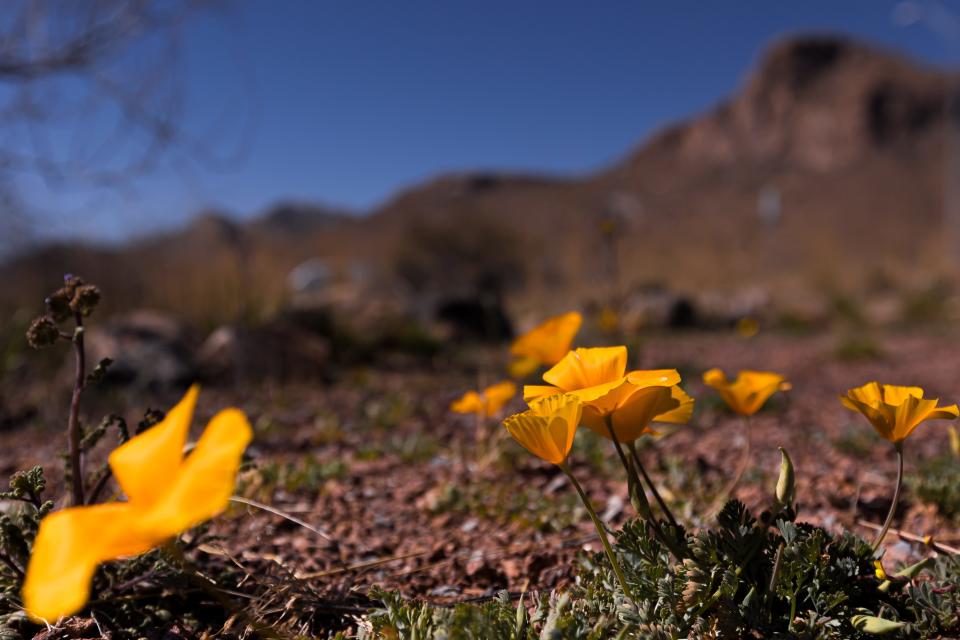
(602, 531)
(741, 469)
(73, 422)
(636, 486)
(653, 488)
(896, 499)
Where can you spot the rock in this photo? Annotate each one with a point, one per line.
(278, 350)
(148, 348)
(657, 306)
(474, 318)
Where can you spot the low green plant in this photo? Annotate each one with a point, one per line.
(857, 347)
(937, 482)
(770, 577)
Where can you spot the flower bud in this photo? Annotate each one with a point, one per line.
(58, 304)
(875, 625)
(85, 299)
(43, 332)
(71, 282)
(786, 492)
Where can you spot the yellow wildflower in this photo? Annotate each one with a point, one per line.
(896, 411)
(545, 344)
(629, 400)
(747, 394)
(879, 571)
(166, 495)
(547, 429)
(488, 402)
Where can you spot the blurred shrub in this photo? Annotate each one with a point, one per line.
(856, 347)
(463, 255)
(937, 482)
(927, 305)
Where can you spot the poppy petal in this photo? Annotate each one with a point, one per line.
(144, 465)
(206, 479)
(69, 546)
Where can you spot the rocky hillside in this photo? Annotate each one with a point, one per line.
(826, 164)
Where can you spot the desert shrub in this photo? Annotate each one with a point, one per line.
(770, 577)
(454, 257)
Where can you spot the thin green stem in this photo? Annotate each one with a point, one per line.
(896, 499)
(636, 486)
(602, 531)
(632, 447)
(722, 497)
(608, 420)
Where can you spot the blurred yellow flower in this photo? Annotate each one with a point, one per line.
(488, 402)
(630, 400)
(896, 411)
(609, 320)
(167, 494)
(749, 391)
(545, 344)
(547, 429)
(747, 327)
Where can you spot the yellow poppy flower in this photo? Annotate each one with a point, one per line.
(545, 344)
(749, 391)
(488, 402)
(895, 411)
(632, 400)
(684, 410)
(547, 429)
(166, 495)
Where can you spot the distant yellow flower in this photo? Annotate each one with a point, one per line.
(609, 320)
(747, 327)
(488, 402)
(545, 344)
(167, 494)
(631, 400)
(896, 411)
(547, 429)
(749, 391)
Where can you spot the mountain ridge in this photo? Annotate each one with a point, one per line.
(826, 162)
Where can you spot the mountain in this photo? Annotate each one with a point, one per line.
(826, 165)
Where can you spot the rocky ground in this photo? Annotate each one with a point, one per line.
(395, 491)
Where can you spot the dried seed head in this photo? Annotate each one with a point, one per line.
(43, 332)
(85, 299)
(58, 304)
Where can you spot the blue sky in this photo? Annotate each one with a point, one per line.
(349, 101)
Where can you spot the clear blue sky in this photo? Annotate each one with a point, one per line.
(356, 99)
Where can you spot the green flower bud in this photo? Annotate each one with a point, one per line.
(874, 625)
(786, 492)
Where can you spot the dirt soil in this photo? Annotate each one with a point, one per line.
(403, 497)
